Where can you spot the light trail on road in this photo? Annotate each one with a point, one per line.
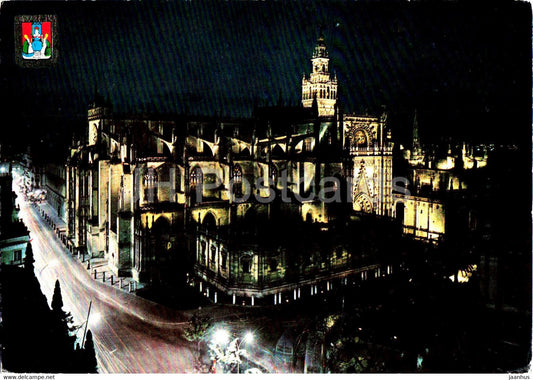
(132, 335)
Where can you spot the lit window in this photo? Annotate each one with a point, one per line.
(307, 145)
(237, 180)
(196, 176)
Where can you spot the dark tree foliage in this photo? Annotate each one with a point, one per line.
(29, 260)
(89, 354)
(36, 338)
(57, 299)
(195, 332)
(64, 318)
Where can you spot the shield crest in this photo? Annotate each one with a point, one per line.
(37, 40)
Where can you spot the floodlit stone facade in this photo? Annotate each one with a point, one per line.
(269, 206)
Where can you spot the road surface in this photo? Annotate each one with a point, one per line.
(131, 334)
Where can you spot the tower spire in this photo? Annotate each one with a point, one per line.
(416, 139)
(320, 85)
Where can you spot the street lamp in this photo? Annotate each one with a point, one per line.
(51, 264)
(221, 337)
(92, 319)
(248, 337)
(229, 351)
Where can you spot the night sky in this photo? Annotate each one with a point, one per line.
(466, 69)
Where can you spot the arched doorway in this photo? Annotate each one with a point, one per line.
(209, 221)
(165, 267)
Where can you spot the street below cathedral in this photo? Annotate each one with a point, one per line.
(132, 335)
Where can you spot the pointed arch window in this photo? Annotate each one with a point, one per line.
(237, 180)
(196, 177)
(195, 181)
(150, 185)
(307, 145)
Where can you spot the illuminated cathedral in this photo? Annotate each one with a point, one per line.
(249, 210)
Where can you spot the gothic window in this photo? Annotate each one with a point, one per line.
(196, 177)
(324, 68)
(150, 185)
(237, 180)
(307, 145)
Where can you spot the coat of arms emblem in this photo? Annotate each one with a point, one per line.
(36, 40)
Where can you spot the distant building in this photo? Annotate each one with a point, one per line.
(436, 173)
(14, 236)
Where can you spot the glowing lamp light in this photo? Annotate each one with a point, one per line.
(221, 336)
(94, 319)
(249, 337)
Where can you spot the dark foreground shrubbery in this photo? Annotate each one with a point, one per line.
(34, 336)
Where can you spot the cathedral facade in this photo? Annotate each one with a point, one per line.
(243, 208)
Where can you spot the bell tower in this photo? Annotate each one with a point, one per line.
(320, 85)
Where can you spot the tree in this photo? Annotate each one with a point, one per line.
(89, 354)
(64, 318)
(28, 260)
(57, 299)
(195, 332)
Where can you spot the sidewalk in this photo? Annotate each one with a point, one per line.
(97, 266)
